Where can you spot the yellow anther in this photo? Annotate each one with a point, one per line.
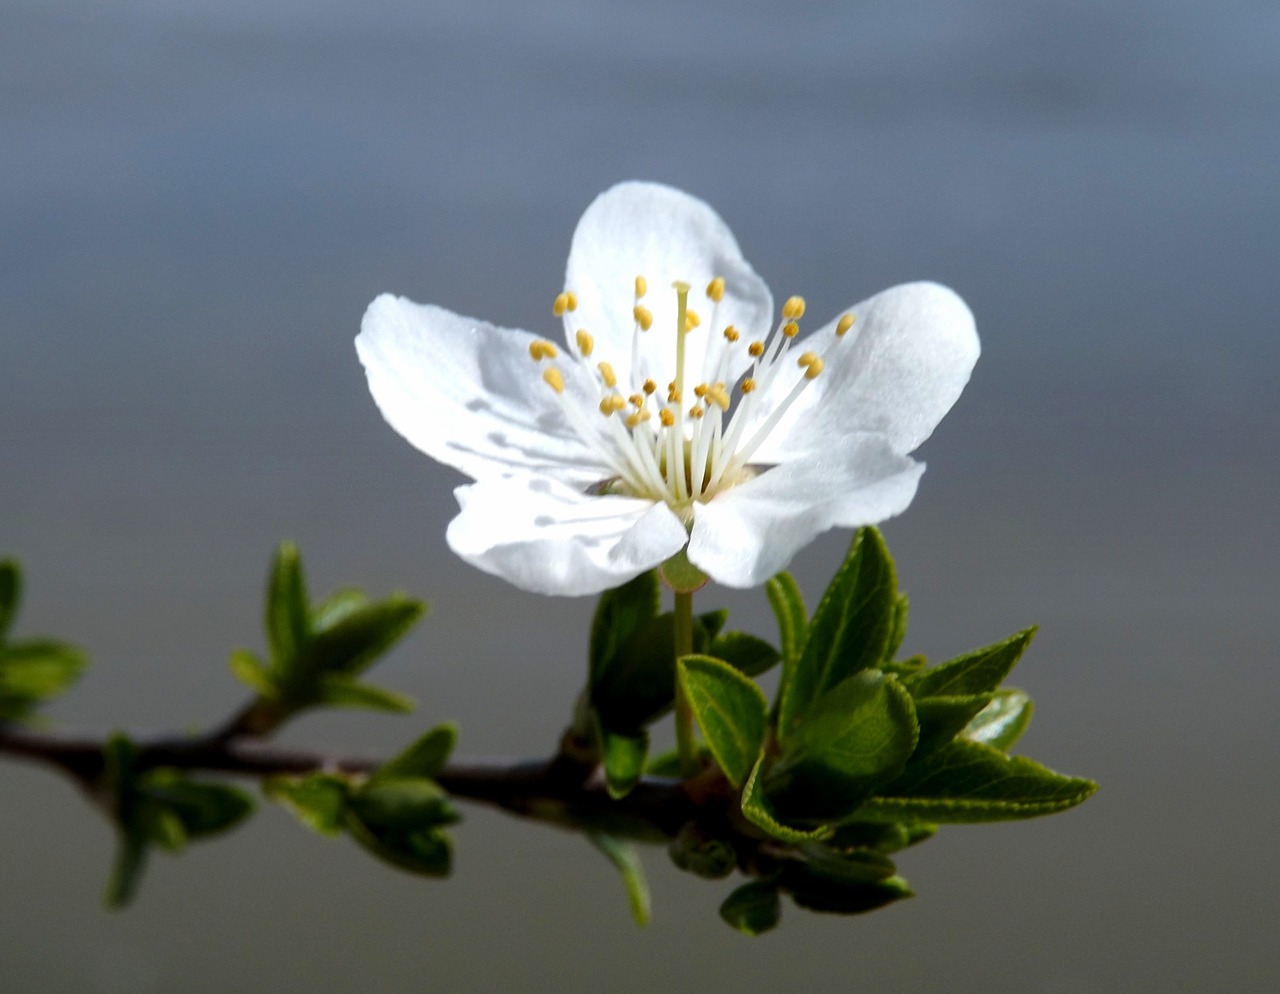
(636, 400)
(791, 329)
(639, 418)
(700, 390)
(731, 333)
(564, 302)
(585, 342)
(666, 417)
(696, 412)
(643, 316)
(607, 374)
(844, 324)
(811, 363)
(756, 349)
(649, 387)
(673, 395)
(612, 404)
(715, 289)
(542, 349)
(691, 319)
(554, 380)
(571, 300)
(642, 287)
(748, 385)
(719, 396)
(793, 308)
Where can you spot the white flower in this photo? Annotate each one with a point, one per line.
(598, 459)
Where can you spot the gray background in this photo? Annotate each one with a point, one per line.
(199, 197)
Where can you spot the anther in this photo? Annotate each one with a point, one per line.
(554, 380)
(565, 301)
(700, 390)
(811, 363)
(612, 404)
(607, 374)
(731, 333)
(756, 349)
(642, 287)
(696, 412)
(715, 289)
(542, 349)
(793, 308)
(747, 385)
(791, 329)
(844, 324)
(636, 400)
(719, 396)
(649, 387)
(585, 342)
(634, 420)
(691, 319)
(643, 316)
(666, 417)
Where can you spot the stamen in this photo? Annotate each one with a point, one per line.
(844, 324)
(585, 342)
(719, 396)
(542, 349)
(811, 363)
(637, 419)
(700, 390)
(747, 385)
(755, 349)
(715, 289)
(554, 379)
(793, 308)
(696, 412)
(636, 400)
(607, 374)
(642, 287)
(566, 301)
(731, 334)
(790, 329)
(691, 320)
(649, 387)
(643, 316)
(612, 404)
(666, 417)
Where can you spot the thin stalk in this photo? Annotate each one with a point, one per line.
(685, 744)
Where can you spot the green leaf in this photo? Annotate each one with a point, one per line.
(816, 894)
(10, 594)
(119, 760)
(319, 800)
(620, 614)
(747, 654)
(425, 758)
(354, 642)
(336, 607)
(1001, 723)
(788, 607)
(884, 837)
(850, 630)
(623, 757)
(696, 851)
(966, 781)
(713, 622)
(126, 872)
(855, 866)
(426, 852)
(731, 711)
(855, 738)
(287, 622)
(36, 670)
(627, 861)
(904, 668)
(975, 672)
(758, 810)
(943, 718)
(753, 908)
(200, 808)
(402, 804)
(248, 669)
(898, 631)
(342, 692)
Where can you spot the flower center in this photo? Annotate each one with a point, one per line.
(682, 444)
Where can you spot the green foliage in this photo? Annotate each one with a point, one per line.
(626, 860)
(753, 908)
(32, 671)
(623, 757)
(1002, 722)
(317, 652)
(731, 711)
(424, 758)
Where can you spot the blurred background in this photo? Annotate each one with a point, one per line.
(198, 198)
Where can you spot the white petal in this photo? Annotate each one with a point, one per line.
(646, 229)
(897, 372)
(551, 539)
(746, 534)
(468, 394)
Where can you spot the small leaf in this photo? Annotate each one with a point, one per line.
(1001, 723)
(341, 692)
(288, 627)
(627, 861)
(731, 711)
(337, 606)
(126, 873)
(788, 607)
(898, 631)
(857, 866)
(248, 669)
(966, 781)
(855, 738)
(425, 758)
(36, 670)
(753, 908)
(402, 803)
(747, 654)
(816, 894)
(758, 810)
(850, 630)
(621, 613)
(623, 758)
(713, 622)
(200, 808)
(975, 672)
(10, 594)
(426, 852)
(943, 718)
(354, 642)
(318, 800)
(695, 851)
(884, 837)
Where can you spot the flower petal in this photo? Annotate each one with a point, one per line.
(647, 229)
(897, 372)
(748, 533)
(468, 394)
(548, 538)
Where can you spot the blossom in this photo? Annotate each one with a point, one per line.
(677, 414)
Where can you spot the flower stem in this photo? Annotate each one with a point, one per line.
(685, 744)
